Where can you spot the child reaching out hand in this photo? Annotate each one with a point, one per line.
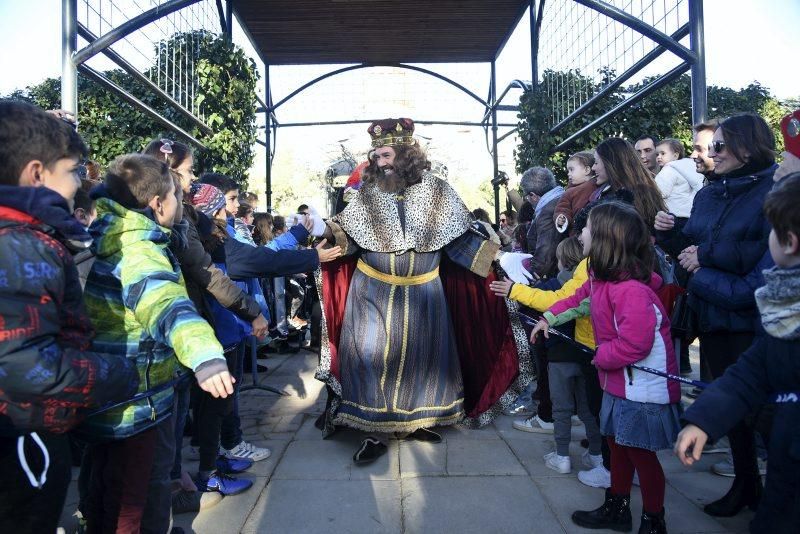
(639, 414)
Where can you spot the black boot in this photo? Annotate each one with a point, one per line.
(746, 491)
(614, 514)
(653, 523)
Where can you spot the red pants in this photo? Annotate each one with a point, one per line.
(118, 488)
(626, 460)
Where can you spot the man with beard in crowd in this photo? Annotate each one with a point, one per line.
(411, 336)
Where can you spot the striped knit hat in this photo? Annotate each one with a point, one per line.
(206, 198)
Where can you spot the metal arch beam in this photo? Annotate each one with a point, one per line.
(645, 29)
(123, 30)
(370, 121)
(371, 65)
(648, 58)
(519, 84)
(643, 92)
(84, 32)
(135, 102)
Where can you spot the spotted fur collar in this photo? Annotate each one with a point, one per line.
(434, 214)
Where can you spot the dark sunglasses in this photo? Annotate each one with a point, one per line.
(503, 220)
(718, 146)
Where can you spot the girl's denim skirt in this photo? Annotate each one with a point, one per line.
(644, 425)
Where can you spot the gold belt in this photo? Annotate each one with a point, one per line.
(397, 280)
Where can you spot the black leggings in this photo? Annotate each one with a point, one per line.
(209, 412)
(721, 350)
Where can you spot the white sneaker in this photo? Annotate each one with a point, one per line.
(599, 477)
(591, 460)
(576, 421)
(533, 424)
(247, 451)
(559, 464)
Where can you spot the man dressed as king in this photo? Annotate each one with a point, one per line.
(412, 337)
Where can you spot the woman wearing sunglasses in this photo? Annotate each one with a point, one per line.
(724, 248)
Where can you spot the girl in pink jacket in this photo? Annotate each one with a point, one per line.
(639, 415)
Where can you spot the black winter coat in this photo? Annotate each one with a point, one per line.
(768, 367)
(201, 274)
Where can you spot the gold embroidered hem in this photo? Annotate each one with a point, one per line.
(396, 426)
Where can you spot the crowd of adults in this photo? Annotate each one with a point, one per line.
(710, 234)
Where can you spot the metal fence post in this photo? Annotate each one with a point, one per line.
(495, 163)
(69, 44)
(697, 44)
(268, 133)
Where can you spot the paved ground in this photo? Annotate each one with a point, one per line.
(489, 480)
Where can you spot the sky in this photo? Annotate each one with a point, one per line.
(746, 40)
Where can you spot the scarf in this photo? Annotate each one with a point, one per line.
(547, 198)
(779, 302)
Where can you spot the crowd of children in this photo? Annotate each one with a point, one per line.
(107, 360)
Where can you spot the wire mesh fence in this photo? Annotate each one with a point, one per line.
(166, 51)
(582, 51)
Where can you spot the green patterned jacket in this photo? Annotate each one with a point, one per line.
(136, 298)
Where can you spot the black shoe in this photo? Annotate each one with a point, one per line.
(686, 370)
(425, 434)
(184, 502)
(319, 422)
(370, 450)
(745, 491)
(614, 514)
(653, 523)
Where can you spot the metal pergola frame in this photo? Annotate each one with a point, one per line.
(693, 59)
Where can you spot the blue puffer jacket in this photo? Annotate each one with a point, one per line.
(728, 226)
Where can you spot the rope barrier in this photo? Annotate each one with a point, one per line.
(142, 395)
(583, 348)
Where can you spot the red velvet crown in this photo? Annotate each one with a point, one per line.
(392, 132)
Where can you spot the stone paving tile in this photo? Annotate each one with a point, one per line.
(332, 507)
(277, 447)
(332, 459)
(703, 488)
(226, 517)
(481, 457)
(476, 505)
(457, 432)
(422, 459)
(565, 495)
